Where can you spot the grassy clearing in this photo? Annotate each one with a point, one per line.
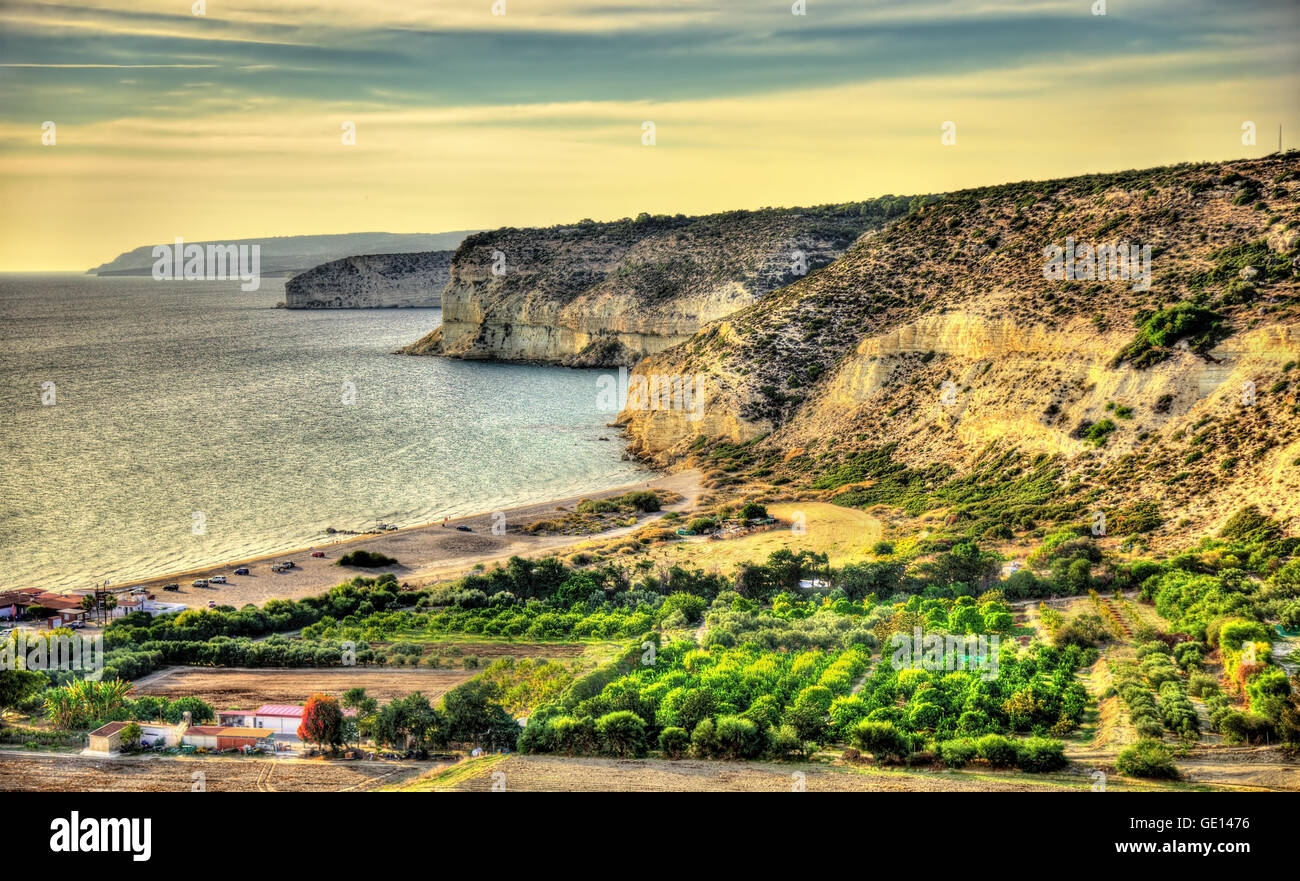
(458, 645)
(445, 779)
(844, 534)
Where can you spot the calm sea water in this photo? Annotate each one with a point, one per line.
(176, 398)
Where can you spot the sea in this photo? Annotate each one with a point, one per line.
(154, 427)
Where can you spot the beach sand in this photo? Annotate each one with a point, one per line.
(425, 554)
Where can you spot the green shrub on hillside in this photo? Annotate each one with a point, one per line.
(1147, 758)
(1158, 332)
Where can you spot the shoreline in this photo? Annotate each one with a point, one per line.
(426, 552)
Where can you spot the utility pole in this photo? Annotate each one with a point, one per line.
(100, 593)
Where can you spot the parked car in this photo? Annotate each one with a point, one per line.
(218, 579)
(287, 564)
(212, 604)
(172, 586)
(200, 582)
(318, 553)
(76, 625)
(277, 568)
(242, 570)
(463, 528)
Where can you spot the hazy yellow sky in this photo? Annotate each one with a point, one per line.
(229, 125)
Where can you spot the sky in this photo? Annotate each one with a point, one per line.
(231, 124)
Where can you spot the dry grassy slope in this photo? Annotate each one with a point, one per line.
(857, 353)
(605, 294)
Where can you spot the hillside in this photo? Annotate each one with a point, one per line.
(372, 280)
(606, 294)
(934, 363)
(286, 255)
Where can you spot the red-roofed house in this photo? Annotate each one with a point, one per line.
(283, 719)
(280, 718)
(228, 737)
(237, 718)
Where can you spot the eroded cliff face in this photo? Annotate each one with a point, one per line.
(609, 294)
(372, 281)
(940, 339)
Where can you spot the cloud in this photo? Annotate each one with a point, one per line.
(465, 121)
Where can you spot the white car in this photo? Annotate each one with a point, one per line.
(200, 582)
(218, 579)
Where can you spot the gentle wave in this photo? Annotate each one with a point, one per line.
(175, 400)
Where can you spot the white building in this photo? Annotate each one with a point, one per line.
(279, 718)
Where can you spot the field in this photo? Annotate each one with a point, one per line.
(452, 648)
(845, 535)
(244, 688)
(556, 774)
(49, 773)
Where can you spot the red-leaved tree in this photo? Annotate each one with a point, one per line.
(322, 722)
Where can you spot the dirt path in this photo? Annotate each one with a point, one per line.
(559, 774)
(28, 771)
(425, 553)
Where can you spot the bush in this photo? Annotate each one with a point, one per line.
(366, 560)
(1039, 755)
(1148, 727)
(1147, 758)
(785, 743)
(622, 734)
(1238, 727)
(883, 740)
(1159, 330)
(674, 742)
(701, 524)
(1084, 631)
(574, 737)
(690, 605)
(739, 738)
(998, 751)
(752, 511)
(704, 740)
(642, 500)
(956, 753)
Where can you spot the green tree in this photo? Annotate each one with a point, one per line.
(199, 710)
(367, 708)
(131, 736)
(17, 686)
(473, 716)
(860, 580)
(410, 722)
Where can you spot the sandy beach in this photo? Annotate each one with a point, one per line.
(426, 553)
